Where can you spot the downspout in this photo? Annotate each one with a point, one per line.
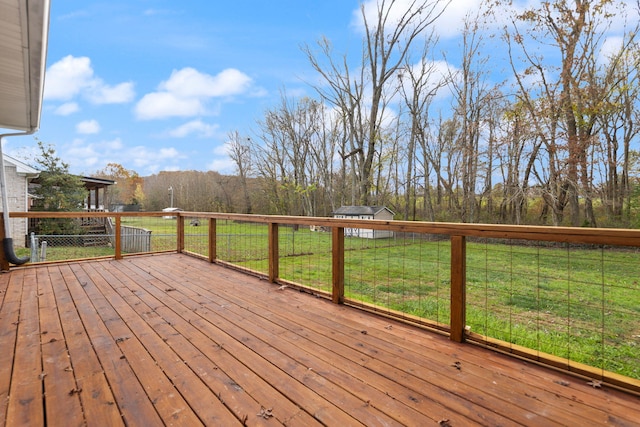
(7, 241)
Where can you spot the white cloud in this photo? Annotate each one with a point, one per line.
(168, 153)
(87, 157)
(144, 157)
(88, 127)
(152, 161)
(115, 144)
(610, 48)
(79, 152)
(222, 150)
(222, 165)
(67, 78)
(74, 76)
(448, 25)
(451, 23)
(197, 127)
(186, 92)
(189, 82)
(221, 161)
(104, 94)
(67, 109)
(160, 105)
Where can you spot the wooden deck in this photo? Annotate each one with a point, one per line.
(173, 340)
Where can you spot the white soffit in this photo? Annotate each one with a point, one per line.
(24, 26)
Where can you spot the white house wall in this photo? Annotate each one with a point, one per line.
(365, 233)
(16, 185)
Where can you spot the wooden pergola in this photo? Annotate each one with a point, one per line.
(97, 188)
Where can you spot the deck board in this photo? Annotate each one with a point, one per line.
(25, 406)
(173, 340)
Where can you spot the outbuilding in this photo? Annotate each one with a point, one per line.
(365, 212)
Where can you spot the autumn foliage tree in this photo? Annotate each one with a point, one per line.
(128, 187)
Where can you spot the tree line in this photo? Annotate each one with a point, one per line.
(555, 141)
(551, 140)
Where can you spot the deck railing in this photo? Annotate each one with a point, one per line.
(566, 297)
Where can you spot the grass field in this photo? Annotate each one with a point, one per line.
(579, 303)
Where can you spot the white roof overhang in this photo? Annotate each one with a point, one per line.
(24, 27)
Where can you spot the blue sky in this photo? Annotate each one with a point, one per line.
(158, 84)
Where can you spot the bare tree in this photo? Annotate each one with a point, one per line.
(388, 38)
(239, 151)
(471, 98)
(619, 128)
(573, 102)
(419, 84)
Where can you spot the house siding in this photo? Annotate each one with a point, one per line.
(16, 184)
(365, 212)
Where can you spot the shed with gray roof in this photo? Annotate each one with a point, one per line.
(365, 212)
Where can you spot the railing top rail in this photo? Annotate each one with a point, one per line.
(598, 236)
(83, 214)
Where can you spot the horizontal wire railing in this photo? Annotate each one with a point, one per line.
(566, 297)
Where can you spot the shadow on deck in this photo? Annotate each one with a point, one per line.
(172, 340)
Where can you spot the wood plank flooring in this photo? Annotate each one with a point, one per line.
(173, 340)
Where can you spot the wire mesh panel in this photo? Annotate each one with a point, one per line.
(305, 255)
(148, 234)
(196, 235)
(243, 243)
(405, 272)
(63, 247)
(578, 302)
(62, 239)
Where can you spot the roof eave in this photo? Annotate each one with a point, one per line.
(38, 38)
(29, 50)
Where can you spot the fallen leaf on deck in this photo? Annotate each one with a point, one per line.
(265, 413)
(74, 391)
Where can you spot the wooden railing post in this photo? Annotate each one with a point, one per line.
(118, 237)
(213, 248)
(337, 264)
(458, 288)
(274, 255)
(180, 231)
